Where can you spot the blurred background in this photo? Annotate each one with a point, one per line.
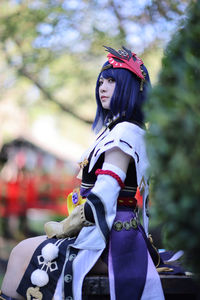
(50, 55)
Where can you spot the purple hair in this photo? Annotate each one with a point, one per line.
(127, 97)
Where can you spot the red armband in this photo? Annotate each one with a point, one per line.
(112, 174)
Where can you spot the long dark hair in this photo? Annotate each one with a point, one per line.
(127, 98)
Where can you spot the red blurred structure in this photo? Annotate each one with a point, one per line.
(33, 178)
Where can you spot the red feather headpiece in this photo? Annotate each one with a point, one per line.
(124, 59)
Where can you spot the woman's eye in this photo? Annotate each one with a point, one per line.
(110, 80)
(100, 82)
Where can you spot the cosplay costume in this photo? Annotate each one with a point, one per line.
(117, 235)
(111, 227)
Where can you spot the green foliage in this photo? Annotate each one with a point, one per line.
(51, 51)
(34, 34)
(173, 141)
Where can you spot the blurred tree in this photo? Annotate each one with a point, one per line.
(55, 44)
(173, 140)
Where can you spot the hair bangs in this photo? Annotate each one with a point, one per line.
(109, 73)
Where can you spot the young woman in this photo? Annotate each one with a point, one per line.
(104, 233)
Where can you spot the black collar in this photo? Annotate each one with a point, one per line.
(114, 122)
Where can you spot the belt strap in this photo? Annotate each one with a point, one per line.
(127, 201)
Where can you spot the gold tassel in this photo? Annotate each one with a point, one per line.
(34, 292)
(142, 81)
(151, 241)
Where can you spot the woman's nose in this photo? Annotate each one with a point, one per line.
(103, 87)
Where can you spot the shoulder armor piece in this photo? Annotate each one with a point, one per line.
(126, 136)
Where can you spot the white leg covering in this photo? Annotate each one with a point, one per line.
(111, 276)
(82, 264)
(153, 288)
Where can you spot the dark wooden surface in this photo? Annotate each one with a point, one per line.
(175, 288)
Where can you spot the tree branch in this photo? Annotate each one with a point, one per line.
(119, 18)
(49, 96)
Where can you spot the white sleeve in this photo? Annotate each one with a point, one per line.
(103, 198)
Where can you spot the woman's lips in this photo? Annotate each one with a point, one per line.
(103, 97)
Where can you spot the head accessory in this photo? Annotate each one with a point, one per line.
(125, 59)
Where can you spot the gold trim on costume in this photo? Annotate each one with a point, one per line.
(34, 292)
(164, 269)
(142, 185)
(83, 163)
(158, 255)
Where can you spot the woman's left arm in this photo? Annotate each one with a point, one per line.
(118, 158)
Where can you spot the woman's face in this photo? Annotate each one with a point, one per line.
(106, 89)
